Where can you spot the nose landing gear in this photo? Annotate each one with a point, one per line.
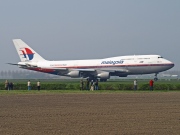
(155, 78)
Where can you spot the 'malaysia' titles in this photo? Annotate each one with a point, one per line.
(112, 62)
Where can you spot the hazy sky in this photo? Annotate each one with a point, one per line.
(88, 29)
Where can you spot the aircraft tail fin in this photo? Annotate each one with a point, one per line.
(25, 52)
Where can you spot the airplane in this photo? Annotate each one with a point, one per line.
(93, 69)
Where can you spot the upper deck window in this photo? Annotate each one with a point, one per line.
(160, 57)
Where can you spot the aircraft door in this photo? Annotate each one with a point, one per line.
(76, 64)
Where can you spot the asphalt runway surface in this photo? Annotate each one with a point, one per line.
(133, 113)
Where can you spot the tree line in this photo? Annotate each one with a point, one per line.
(24, 74)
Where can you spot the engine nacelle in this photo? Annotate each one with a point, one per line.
(104, 75)
(74, 74)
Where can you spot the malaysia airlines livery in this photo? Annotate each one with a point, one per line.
(121, 66)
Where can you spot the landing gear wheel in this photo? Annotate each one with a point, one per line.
(155, 79)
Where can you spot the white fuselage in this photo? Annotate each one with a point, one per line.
(116, 66)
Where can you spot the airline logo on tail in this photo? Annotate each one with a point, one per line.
(27, 53)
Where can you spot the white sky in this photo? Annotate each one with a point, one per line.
(88, 29)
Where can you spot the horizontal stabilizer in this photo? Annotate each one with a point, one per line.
(12, 64)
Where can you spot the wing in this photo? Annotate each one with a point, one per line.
(97, 73)
(85, 70)
(119, 70)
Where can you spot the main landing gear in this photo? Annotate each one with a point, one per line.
(155, 78)
(94, 79)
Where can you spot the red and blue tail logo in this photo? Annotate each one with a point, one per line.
(27, 53)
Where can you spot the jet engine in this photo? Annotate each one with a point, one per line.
(74, 74)
(104, 75)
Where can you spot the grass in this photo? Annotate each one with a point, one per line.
(42, 92)
(122, 81)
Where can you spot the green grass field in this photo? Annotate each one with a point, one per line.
(72, 85)
(123, 81)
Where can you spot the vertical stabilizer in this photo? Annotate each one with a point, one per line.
(25, 52)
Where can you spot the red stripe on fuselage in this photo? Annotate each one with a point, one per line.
(42, 70)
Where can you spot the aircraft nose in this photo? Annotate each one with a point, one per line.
(171, 64)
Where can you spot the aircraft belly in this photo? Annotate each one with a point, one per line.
(146, 69)
(159, 68)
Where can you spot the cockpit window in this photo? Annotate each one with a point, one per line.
(160, 57)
